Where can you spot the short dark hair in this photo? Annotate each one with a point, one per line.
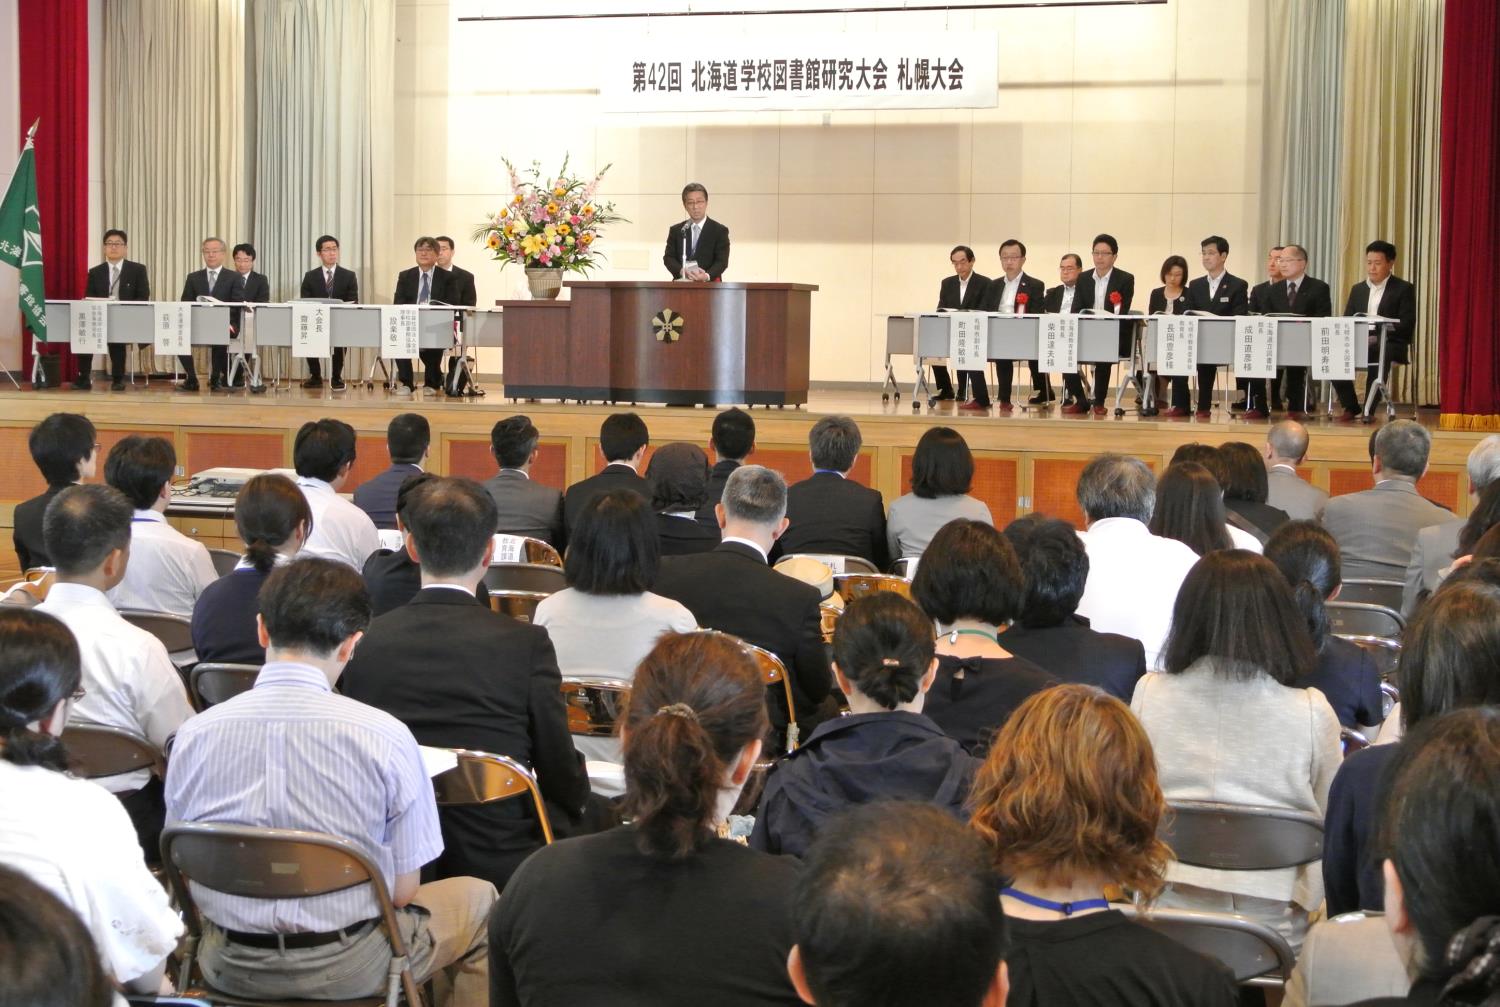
(1384, 248)
(1179, 262)
(1054, 566)
(1484, 516)
(313, 604)
(834, 443)
(678, 474)
(425, 242)
(48, 958)
(1203, 454)
(322, 448)
(512, 441)
(451, 521)
(407, 438)
(941, 465)
(59, 443)
(324, 239)
(1116, 486)
(755, 494)
(1013, 241)
(406, 492)
(267, 511)
(733, 434)
(1243, 472)
(40, 667)
(83, 525)
(1236, 607)
(139, 467)
(443, 239)
(1450, 655)
(1107, 239)
(614, 548)
(898, 905)
(1190, 508)
(1219, 243)
(245, 247)
(968, 252)
(621, 435)
(1403, 447)
(969, 570)
(115, 232)
(1077, 259)
(1309, 558)
(884, 645)
(692, 187)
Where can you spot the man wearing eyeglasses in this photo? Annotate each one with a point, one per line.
(698, 247)
(118, 279)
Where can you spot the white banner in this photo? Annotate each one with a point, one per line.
(399, 328)
(1176, 345)
(89, 331)
(173, 329)
(1333, 348)
(968, 340)
(312, 325)
(1254, 347)
(677, 72)
(1059, 344)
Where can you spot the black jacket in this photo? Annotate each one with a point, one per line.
(1232, 297)
(684, 536)
(1313, 298)
(1072, 652)
(1347, 677)
(376, 496)
(393, 580)
(832, 514)
(345, 284)
(31, 550)
(409, 286)
(1351, 864)
(973, 697)
(717, 477)
(1120, 282)
(1054, 299)
(1398, 301)
(1034, 289)
(461, 287)
(973, 299)
(230, 285)
(711, 252)
(614, 476)
(133, 285)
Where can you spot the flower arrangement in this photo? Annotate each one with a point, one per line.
(549, 223)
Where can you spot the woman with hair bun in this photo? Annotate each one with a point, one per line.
(662, 909)
(884, 660)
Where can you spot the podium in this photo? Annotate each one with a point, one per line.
(662, 341)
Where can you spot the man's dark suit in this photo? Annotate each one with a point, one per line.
(230, 287)
(1313, 300)
(1398, 301)
(526, 507)
(1073, 652)
(685, 536)
(377, 496)
(461, 676)
(949, 300)
(31, 549)
(345, 287)
(1035, 292)
(133, 285)
(1052, 304)
(1084, 296)
(831, 514)
(393, 579)
(717, 477)
(614, 476)
(711, 252)
(408, 290)
(1232, 298)
(732, 589)
(461, 287)
(257, 290)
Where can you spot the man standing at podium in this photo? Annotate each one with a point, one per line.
(218, 281)
(705, 241)
(119, 279)
(329, 279)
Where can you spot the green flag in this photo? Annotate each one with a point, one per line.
(21, 238)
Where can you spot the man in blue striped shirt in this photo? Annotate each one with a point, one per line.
(293, 754)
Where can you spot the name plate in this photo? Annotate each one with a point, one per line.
(1176, 345)
(1333, 349)
(1059, 344)
(509, 549)
(89, 330)
(173, 330)
(1254, 347)
(968, 340)
(399, 330)
(311, 325)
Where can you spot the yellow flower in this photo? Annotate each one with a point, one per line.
(504, 214)
(509, 229)
(588, 209)
(586, 237)
(551, 208)
(564, 229)
(516, 199)
(533, 244)
(559, 192)
(550, 231)
(494, 239)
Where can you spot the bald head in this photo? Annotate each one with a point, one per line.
(1286, 443)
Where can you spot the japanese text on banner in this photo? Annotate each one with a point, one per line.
(1176, 344)
(311, 330)
(1059, 344)
(399, 329)
(173, 329)
(1254, 347)
(1333, 349)
(968, 340)
(90, 329)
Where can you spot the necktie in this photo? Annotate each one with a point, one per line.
(426, 293)
(213, 280)
(328, 282)
(114, 278)
(1291, 292)
(697, 230)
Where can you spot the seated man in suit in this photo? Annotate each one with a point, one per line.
(119, 279)
(733, 589)
(1286, 447)
(328, 279)
(525, 507)
(1108, 291)
(461, 676)
(1062, 300)
(256, 288)
(407, 439)
(1437, 545)
(1255, 405)
(1377, 528)
(829, 512)
(705, 241)
(461, 288)
(1388, 296)
(221, 283)
(294, 754)
(623, 438)
(423, 284)
(963, 291)
(732, 439)
(65, 448)
(1013, 293)
(394, 576)
(323, 455)
(1296, 293)
(1218, 293)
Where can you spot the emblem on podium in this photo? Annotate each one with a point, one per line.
(668, 326)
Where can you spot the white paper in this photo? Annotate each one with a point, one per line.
(968, 340)
(606, 779)
(1254, 347)
(311, 330)
(399, 329)
(89, 327)
(834, 563)
(173, 329)
(1333, 348)
(437, 761)
(1176, 345)
(392, 539)
(509, 549)
(1059, 344)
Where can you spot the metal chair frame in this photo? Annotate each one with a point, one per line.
(851, 564)
(850, 586)
(519, 605)
(772, 672)
(484, 778)
(1231, 837)
(97, 751)
(1369, 591)
(592, 696)
(1256, 954)
(1356, 618)
(225, 560)
(541, 578)
(212, 682)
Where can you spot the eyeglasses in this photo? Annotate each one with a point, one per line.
(114, 243)
(78, 694)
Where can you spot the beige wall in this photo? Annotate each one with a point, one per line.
(10, 149)
(1140, 121)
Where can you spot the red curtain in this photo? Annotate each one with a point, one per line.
(1468, 320)
(54, 51)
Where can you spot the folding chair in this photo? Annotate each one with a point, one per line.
(850, 586)
(773, 672)
(96, 751)
(225, 560)
(905, 567)
(174, 631)
(1351, 619)
(1385, 652)
(1230, 837)
(212, 683)
(257, 863)
(1351, 740)
(594, 703)
(1256, 954)
(828, 619)
(543, 553)
(519, 605)
(540, 578)
(484, 778)
(31, 590)
(838, 564)
(1385, 593)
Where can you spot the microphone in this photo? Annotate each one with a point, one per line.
(687, 225)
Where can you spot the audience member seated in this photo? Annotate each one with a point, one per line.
(407, 439)
(733, 589)
(829, 512)
(1346, 958)
(678, 474)
(1377, 528)
(393, 576)
(526, 507)
(273, 520)
(339, 767)
(65, 448)
(884, 662)
(461, 676)
(969, 583)
(897, 906)
(1437, 545)
(1286, 448)
(68, 835)
(323, 455)
(732, 438)
(1346, 675)
(1190, 509)
(1242, 533)
(1247, 489)
(1069, 804)
(129, 680)
(168, 571)
(623, 439)
(1049, 632)
(1231, 724)
(664, 909)
(1133, 575)
(1450, 659)
(46, 956)
(942, 473)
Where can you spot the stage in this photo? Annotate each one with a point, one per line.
(1027, 461)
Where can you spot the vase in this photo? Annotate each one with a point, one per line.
(545, 283)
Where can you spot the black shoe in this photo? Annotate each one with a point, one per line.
(312, 382)
(215, 383)
(1238, 407)
(1041, 399)
(117, 384)
(337, 384)
(190, 385)
(943, 397)
(239, 380)
(83, 383)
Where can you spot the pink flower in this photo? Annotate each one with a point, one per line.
(575, 220)
(545, 260)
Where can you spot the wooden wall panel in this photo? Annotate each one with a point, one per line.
(1444, 486)
(207, 449)
(996, 481)
(471, 457)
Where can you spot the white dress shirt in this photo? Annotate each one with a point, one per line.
(1008, 296)
(1376, 293)
(341, 530)
(1121, 551)
(1067, 300)
(167, 570)
(1213, 284)
(963, 286)
(1243, 539)
(1101, 303)
(129, 681)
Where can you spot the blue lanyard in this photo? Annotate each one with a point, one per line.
(1066, 908)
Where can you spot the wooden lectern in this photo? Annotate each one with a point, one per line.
(662, 341)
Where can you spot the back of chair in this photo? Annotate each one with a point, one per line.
(905, 567)
(536, 577)
(594, 703)
(225, 560)
(484, 778)
(836, 563)
(174, 631)
(1351, 740)
(1358, 619)
(1385, 593)
(773, 672)
(212, 683)
(542, 553)
(1249, 949)
(828, 620)
(1235, 838)
(1389, 697)
(850, 586)
(519, 605)
(96, 751)
(1385, 652)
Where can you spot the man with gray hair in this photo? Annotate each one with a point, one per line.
(1437, 544)
(732, 588)
(1117, 494)
(829, 512)
(1286, 446)
(1376, 529)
